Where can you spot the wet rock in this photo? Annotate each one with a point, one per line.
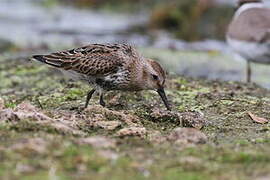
(8, 115)
(98, 142)
(26, 107)
(25, 110)
(34, 116)
(187, 136)
(192, 119)
(67, 122)
(107, 125)
(164, 115)
(65, 128)
(186, 119)
(99, 113)
(132, 131)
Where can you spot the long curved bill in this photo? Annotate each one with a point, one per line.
(163, 96)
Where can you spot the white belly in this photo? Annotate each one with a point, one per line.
(77, 76)
(255, 52)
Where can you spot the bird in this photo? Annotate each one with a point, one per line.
(248, 33)
(108, 67)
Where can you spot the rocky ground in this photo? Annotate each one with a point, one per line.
(216, 130)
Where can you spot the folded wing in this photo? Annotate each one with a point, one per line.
(92, 60)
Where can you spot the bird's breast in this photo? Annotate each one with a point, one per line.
(117, 81)
(252, 51)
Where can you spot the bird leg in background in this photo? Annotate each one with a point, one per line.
(248, 72)
(89, 96)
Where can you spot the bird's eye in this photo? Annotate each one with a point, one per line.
(155, 77)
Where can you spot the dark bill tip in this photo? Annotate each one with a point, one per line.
(163, 96)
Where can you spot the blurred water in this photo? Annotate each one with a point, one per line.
(24, 22)
(27, 23)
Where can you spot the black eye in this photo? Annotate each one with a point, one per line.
(155, 77)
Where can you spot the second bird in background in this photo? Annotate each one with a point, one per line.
(249, 33)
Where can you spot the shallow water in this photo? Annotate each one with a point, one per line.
(33, 24)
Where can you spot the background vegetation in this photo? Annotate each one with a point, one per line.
(190, 20)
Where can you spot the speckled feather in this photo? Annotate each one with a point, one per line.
(110, 64)
(93, 60)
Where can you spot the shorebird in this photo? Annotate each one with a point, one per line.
(249, 33)
(108, 67)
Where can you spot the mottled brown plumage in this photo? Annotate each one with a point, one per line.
(109, 67)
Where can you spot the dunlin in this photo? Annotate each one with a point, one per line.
(108, 67)
(249, 33)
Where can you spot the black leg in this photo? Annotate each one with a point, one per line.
(248, 72)
(89, 96)
(101, 101)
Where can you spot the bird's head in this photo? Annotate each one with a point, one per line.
(154, 78)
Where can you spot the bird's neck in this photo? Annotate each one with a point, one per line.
(136, 75)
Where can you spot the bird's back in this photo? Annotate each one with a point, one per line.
(249, 33)
(106, 65)
(252, 25)
(92, 60)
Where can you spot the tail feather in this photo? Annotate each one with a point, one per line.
(39, 58)
(43, 59)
